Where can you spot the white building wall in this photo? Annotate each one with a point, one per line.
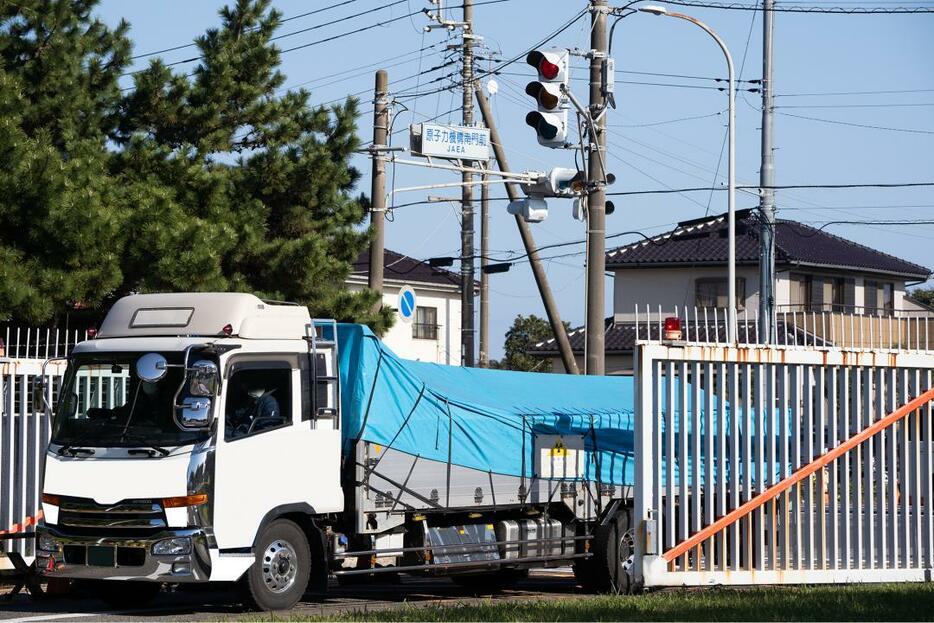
(447, 348)
(670, 287)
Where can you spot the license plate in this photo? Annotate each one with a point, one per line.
(100, 556)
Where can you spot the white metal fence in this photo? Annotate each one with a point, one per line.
(775, 465)
(24, 433)
(855, 328)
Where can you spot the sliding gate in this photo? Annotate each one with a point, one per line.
(778, 465)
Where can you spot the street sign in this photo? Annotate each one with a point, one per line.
(448, 141)
(407, 303)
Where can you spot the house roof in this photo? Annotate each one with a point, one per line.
(399, 267)
(704, 241)
(620, 337)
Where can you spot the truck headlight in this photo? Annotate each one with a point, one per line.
(47, 542)
(172, 547)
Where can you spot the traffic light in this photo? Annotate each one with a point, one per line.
(559, 182)
(550, 121)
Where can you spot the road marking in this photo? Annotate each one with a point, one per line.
(54, 617)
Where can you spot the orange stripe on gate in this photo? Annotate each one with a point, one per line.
(815, 465)
(28, 521)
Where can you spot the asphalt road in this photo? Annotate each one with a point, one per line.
(206, 603)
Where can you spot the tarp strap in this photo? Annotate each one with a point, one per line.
(598, 465)
(401, 427)
(369, 402)
(450, 448)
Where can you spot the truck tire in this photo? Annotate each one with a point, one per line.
(279, 575)
(491, 582)
(124, 594)
(612, 548)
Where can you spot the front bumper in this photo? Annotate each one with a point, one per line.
(89, 557)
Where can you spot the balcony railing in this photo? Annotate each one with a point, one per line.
(905, 330)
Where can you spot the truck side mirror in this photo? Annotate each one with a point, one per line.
(195, 412)
(204, 378)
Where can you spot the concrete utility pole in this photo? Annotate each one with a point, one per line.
(766, 193)
(484, 278)
(378, 188)
(538, 271)
(467, 214)
(596, 200)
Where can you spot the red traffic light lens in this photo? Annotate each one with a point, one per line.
(547, 69)
(542, 95)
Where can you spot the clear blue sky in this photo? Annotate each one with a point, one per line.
(814, 54)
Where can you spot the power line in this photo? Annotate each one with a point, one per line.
(287, 19)
(838, 93)
(858, 125)
(786, 8)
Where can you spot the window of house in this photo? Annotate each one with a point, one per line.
(871, 296)
(259, 398)
(802, 291)
(838, 293)
(888, 298)
(425, 326)
(713, 292)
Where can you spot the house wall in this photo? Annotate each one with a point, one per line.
(784, 284)
(615, 364)
(670, 287)
(446, 348)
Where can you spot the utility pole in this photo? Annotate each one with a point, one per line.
(596, 199)
(528, 242)
(378, 188)
(484, 278)
(766, 192)
(467, 214)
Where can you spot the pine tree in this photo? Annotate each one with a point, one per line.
(241, 187)
(60, 229)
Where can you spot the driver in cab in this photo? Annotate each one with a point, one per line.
(258, 410)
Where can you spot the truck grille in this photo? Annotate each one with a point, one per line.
(126, 518)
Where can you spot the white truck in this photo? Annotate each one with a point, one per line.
(216, 437)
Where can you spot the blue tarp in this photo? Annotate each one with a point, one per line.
(482, 419)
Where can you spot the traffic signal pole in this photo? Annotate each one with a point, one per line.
(467, 212)
(538, 271)
(596, 200)
(378, 188)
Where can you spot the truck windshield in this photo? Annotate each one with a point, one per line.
(102, 403)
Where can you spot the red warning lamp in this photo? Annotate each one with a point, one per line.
(228, 329)
(672, 330)
(547, 69)
(92, 333)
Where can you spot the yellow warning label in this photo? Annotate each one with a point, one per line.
(559, 449)
(377, 448)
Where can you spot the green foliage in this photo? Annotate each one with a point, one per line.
(868, 602)
(522, 335)
(207, 181)
(925, 296)
(60, 232)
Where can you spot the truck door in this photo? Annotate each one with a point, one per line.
(271, 453)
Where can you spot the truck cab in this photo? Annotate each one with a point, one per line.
(196, 435)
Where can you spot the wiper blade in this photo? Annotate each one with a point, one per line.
(149, 450)
(66, 449)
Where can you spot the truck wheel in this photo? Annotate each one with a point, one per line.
(279, 575)
(612, 548)
(496, 581)
(123, 594)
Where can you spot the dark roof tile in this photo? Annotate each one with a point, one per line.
(705, 242)
(399, 267)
